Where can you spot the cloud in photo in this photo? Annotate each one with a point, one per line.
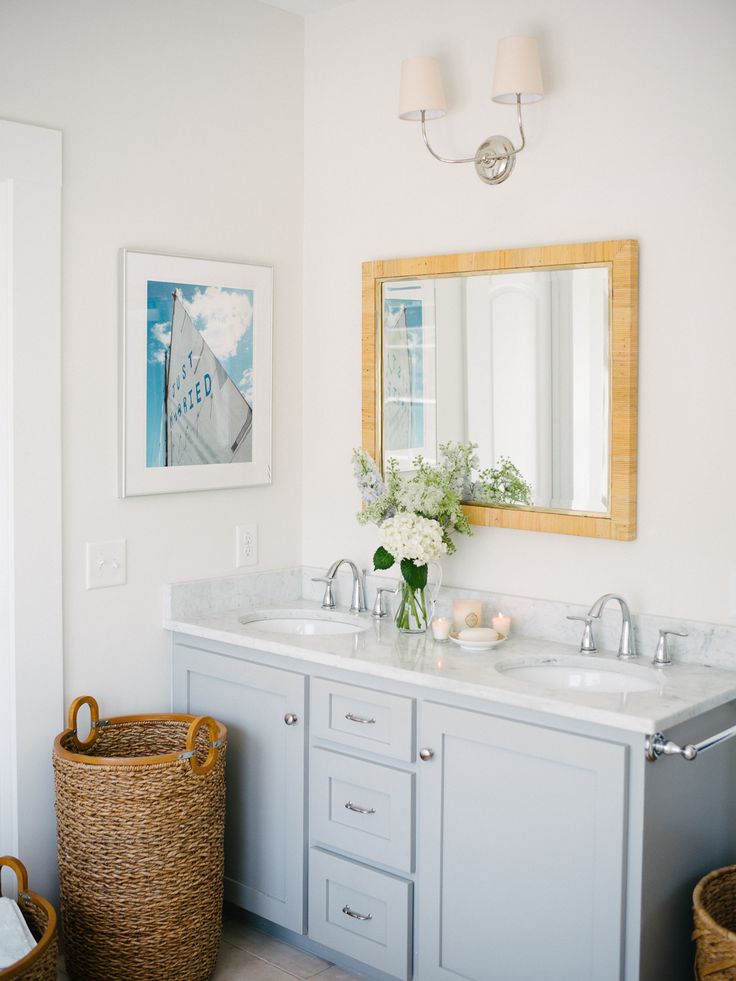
(246, 385)
(161, 335)
(222, 317)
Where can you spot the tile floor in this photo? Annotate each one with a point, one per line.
(247, 954)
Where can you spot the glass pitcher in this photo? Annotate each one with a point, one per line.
(415, 607)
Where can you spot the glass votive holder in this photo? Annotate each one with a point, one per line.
(501, 623)
(441, 627)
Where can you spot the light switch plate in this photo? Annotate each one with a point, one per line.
(106, 564)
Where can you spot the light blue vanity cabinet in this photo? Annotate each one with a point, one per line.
(409, 831)
(522, 851)
(264, 709)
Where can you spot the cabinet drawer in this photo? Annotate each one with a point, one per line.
(378, 932)
(364, 719)
(363, 808)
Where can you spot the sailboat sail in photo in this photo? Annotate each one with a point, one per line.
(208, 419)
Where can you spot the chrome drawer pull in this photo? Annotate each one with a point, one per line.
(359, 810)
(357, 916)
(356, 718)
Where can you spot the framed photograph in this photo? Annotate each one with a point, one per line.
(195, 374)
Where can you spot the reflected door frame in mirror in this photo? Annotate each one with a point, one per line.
(622, 258)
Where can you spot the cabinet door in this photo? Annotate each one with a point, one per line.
(521, 851)
(264, 827)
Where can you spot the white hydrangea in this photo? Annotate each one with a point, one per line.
(408, 536)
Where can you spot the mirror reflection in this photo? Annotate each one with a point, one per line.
(515, 361)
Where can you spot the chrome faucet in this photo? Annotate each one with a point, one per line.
(626, 646)
(357, 602)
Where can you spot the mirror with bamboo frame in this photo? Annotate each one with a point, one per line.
(529, 353)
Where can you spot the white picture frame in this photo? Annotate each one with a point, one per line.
(229, 305)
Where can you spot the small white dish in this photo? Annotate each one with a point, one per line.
(476, 645)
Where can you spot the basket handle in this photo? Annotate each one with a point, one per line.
(94, 712)
(201, 768)
(21, 873)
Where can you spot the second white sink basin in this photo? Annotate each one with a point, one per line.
(585, 674)
(303, 623)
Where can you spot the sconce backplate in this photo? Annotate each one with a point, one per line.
(495, 159)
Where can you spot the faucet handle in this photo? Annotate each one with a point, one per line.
(587, 642)
(662, 654)
(328, 601)
(379, 610)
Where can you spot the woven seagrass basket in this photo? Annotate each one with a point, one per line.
(714, 913)
(40, 915)
(140, 815)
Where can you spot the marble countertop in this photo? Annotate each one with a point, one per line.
(380, 651)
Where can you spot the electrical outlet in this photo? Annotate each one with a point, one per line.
(246, 545)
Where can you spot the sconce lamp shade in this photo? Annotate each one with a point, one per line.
(517, 71)
(421, 89)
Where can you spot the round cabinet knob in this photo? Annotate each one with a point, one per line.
(426, 754)
(290, 719)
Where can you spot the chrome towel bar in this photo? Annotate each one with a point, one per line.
(657, 745)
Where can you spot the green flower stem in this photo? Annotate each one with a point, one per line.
(411, 614)
(424, 608)
(414, 609)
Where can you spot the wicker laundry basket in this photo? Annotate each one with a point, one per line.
(714, 912)
(40, 915)
(140, 814)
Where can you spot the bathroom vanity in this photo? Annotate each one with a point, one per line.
(410, 810)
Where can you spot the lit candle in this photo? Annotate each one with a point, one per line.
(466, 613)
(502, 624)
(441, 628)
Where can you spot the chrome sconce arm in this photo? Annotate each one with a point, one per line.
(444, 160)
(495, 157)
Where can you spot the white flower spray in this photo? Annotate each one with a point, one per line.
(418, 512)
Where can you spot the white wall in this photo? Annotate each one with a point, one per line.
(635, 139)
(182, 124)
(31, 697)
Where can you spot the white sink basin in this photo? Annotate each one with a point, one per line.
(585, 674)
(303, 623)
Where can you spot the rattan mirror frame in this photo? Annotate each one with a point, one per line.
(623, 260)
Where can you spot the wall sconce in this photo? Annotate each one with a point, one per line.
(517, 79)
